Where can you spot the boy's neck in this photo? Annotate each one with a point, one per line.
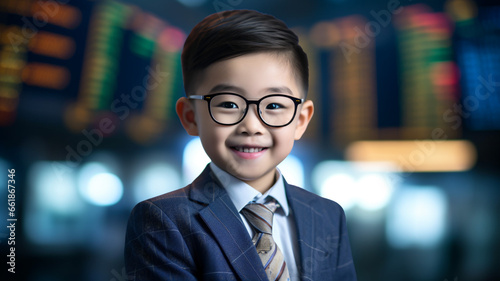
(264, 183)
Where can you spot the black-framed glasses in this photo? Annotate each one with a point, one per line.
(230, 109)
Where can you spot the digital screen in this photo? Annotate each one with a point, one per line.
(390, 74)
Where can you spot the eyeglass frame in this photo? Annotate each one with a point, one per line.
(209, 98)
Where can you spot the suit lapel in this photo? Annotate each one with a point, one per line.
(304, 222)
(223, 220)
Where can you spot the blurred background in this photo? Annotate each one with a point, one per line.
(405, 135)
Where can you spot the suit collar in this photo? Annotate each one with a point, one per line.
(206, 188)
(227, 228)
(305, 225)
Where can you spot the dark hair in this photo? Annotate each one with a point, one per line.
(230, 34)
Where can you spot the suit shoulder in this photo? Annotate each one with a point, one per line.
(326, 212)
(306, 197)
(173, 208)
(164, 202)
(176, 195)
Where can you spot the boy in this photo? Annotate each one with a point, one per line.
(246, 80)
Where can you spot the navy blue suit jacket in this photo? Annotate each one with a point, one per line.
(196, 233)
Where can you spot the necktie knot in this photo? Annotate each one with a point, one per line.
(260, 216)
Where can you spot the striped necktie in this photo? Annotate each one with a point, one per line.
(260, 217)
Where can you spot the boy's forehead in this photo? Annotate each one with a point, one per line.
(262, 72)
(234, 88)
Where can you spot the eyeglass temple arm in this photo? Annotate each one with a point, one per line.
(196, 97)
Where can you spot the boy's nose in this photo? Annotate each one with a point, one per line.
(251, 124)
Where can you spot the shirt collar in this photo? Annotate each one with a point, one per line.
(241, 193)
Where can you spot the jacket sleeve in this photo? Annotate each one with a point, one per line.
(155, 248)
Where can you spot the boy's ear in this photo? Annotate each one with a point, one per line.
(305, 115)
(185, 110)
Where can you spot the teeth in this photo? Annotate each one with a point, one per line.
(249, 149)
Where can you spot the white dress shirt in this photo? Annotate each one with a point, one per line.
(284, 231)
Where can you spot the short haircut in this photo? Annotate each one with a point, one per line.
(230, 34)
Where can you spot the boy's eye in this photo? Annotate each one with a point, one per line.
(227, 104)
(274, 106)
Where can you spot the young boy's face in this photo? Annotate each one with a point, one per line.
(249, 150)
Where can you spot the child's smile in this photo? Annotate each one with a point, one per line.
(249, 152)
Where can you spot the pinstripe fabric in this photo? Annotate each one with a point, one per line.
(260, 217)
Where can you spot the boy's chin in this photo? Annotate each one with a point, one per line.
(249, 172)
(256, 176)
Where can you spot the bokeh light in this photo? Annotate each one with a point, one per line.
(194, 160)
(374, 192)
(340, 188)
(104, 189)
(292, 169)
(156, 179)
(98, 185)
(417, 217)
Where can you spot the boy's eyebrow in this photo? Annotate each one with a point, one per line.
(232, 88)
(226, 88)
(283, 89)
